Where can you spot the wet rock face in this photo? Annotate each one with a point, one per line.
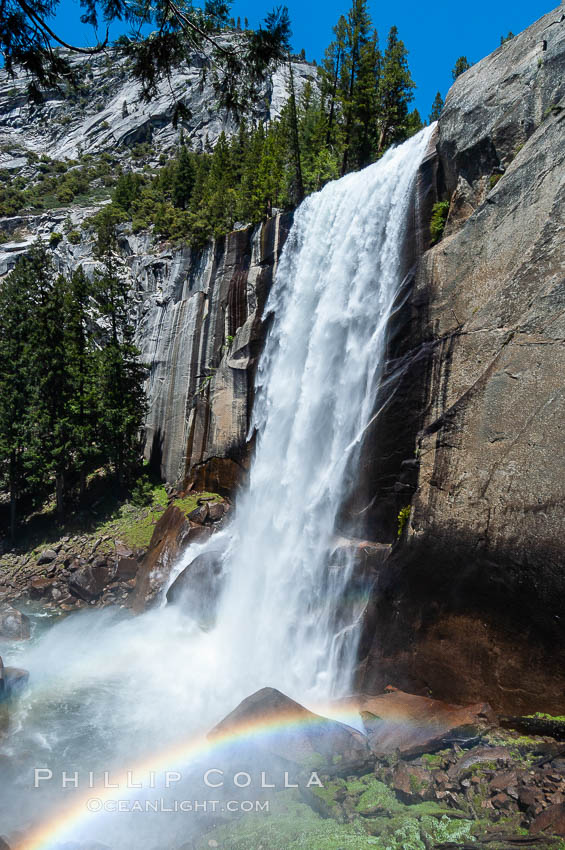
(13, 624)
(470, 605)
(198, 587)
(12, 681)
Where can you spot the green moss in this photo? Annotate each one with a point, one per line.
(403, 517)
(494, 178)
(190, 503)
(374, 795)
(438, 221)
(289, 825)
(328, 795)
(479, 766)
(434, 761)
(134, 524)
(404, 832)
(540, 715)
(417, 785)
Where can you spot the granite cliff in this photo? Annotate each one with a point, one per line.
(471, 604)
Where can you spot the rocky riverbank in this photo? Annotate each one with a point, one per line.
(122, 559)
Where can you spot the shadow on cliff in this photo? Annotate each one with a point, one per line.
(463, 624)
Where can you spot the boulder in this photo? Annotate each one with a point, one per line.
(15, 680)
(200, 514)
(413, 724)
(506, 781)
(503, 802)
(303, 738)
(499, 756)
(13, 624)
(40, 586)
(47, 556)
(552, 821)
(198, 587)
(217, 511)
(123, 551)
(411, 783)
(531, 800)
(126, 569)
(89, 581)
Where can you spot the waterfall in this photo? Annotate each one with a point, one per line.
(105, 688)
(335, 288)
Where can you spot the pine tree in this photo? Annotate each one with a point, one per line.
(395, 93)
(460, 67)
(16, 308)
(50, 449)
(120, 381)
(239, 145)
(437, 106)
(81, 357)
(297, 185)
(271, 176)
(365, 104)
(220, 204)
(357, 34)
(329, 73)
(183, 179)
(250, 202)
(28, 37)
(414, 123)
(319, 163)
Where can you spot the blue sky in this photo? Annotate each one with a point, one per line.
(435, 34)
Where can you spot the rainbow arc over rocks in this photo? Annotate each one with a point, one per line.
(182, 754)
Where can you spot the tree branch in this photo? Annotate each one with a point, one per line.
(182, 17)
(89, 51)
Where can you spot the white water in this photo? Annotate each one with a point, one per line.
(111, 690)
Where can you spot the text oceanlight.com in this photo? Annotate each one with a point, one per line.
(95, 805)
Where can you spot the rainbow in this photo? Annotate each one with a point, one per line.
(182, 753)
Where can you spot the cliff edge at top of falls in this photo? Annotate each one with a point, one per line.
(471, 605)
